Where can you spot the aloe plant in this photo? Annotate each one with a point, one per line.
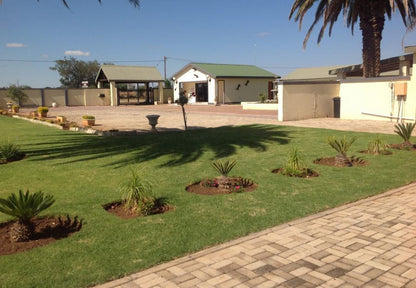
(24, 206)
(404, 130)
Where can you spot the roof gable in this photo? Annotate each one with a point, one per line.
(125, 74)
(228, 70)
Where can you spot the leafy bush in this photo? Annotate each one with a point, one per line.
(224, 168)
(404, 130)
(88, 117)
(24, 207)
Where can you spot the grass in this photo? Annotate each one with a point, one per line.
(83, 172)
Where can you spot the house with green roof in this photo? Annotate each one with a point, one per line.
(222, 83)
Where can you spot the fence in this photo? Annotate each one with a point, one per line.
(69, 97)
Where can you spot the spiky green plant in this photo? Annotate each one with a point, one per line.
(136, 192)
(295, 164)
(341, 145)
(377, 146)
(24, 206)
(224, 168)
(9, 152)
(404, 130)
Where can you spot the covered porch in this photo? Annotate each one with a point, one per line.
(139, 78)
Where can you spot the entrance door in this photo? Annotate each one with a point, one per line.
(221, 91)
(201, 92)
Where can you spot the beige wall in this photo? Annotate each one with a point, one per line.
(362, 97)
(248, 93)
(297, 101)
(166, 94)
(75, 97)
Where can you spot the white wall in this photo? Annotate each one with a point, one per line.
(374, 96)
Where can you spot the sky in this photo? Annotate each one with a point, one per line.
(34, 34)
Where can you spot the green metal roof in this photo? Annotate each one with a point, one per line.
(315, 73)
(127, 74)
(229, 70)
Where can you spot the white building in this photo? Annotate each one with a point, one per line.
(222, 83)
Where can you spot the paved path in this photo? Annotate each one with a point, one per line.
(133, 118)
(369, 243)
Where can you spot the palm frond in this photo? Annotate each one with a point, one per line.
(224, 168)
(25, 206)
(404, 130)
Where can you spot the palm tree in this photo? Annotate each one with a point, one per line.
(24, 207)
(371, 16)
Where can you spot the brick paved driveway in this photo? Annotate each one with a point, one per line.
(369, 243)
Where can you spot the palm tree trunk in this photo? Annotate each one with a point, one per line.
(21, 231)
(371, 25)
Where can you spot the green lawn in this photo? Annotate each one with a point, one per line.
(84, 171)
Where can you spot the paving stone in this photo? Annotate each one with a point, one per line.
(370, 243)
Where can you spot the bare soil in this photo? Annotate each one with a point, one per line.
(48, 230)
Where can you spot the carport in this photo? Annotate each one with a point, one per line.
(118, 74)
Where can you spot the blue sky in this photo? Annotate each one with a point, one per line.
(256, 32)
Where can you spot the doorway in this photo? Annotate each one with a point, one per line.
(221, 91)
(201, 92)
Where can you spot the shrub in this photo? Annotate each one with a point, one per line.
(377, 146)
(295, 164)
(263, 98)
(137, 196)
(224, 168)
(24, 207)
(405, 131)
(88, 117)
(9, 152)
(43, 109)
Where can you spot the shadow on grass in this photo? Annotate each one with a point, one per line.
(180, 147)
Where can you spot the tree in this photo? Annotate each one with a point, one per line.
(16, 94)
(183, 100)
(371, 17)
(74, 71)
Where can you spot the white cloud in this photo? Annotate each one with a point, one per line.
(264, 34)
(76, 53)
(45, 56)
(15, 45)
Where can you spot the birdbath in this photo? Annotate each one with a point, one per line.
(153, 121)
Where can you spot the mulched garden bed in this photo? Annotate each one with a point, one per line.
(117, 208)
(403, 146)
(206, 187)
(330, 161)
(48, 230)
(306, 173)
